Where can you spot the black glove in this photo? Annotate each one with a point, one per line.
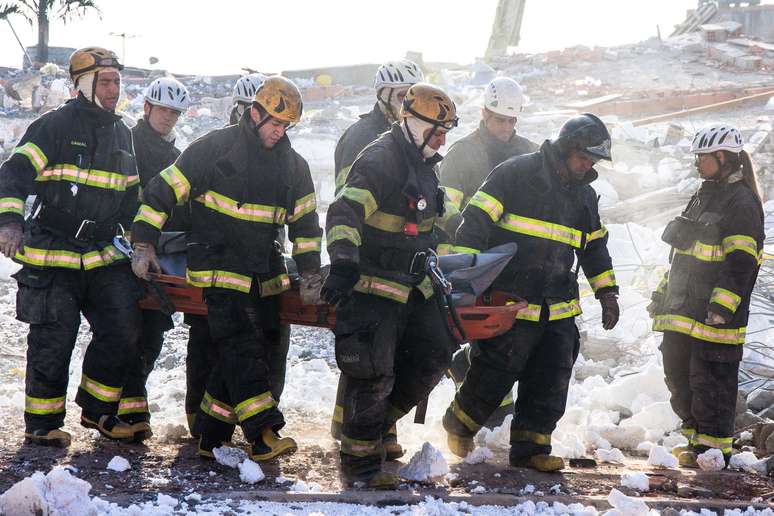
(656, 299)
(340, 282)
(11, 238)
(610, 310)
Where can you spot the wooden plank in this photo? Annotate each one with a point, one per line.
(703, 109)
(584, 104)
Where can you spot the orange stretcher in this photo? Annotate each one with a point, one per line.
(493, 314)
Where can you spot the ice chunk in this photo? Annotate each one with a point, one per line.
(166, 501)
(305, 487)
(644, 447)
(711, 460)
(660, 456)
(743, 461)
(658, 418)
(478, 490)
(614, 455)
(673, 440)
(479, 455)
(229, 456)
(250, 472)
(636, 481)
(622, 437)
(626, 505)
(425, 464)
(58, 492)
(119, 464)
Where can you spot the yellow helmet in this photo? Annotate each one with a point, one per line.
(280, 98)
(431, 104)
(92, 59)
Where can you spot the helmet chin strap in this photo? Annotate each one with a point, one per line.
(414, 130)
(387, 107)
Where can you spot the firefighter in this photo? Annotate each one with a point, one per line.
(154, 147)
(464, 169)
(244, 92)
(392, 343)
(78, 161)
(543, 202)
(391, 83)
(243, 182)
(702, 303)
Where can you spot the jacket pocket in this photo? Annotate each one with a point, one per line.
(34, 299)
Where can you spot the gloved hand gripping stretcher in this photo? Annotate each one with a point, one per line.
(462, 280)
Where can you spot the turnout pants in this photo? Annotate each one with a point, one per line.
(202, 354)
(133, 406)
(540, 356)
(392, 355)
(51, 301)
(702, 378)
(243, 328)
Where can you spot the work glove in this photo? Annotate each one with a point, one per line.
(610, 310)
(144, 260)
(340, 282)
(714, 319)
(311, 283)
(655, 304)
(10, 238)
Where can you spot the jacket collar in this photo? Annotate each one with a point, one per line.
(548, 176)
(248, 146)
(91, 110)
(377, 115)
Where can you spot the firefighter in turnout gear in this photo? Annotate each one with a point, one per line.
(392, 343)
(703, 302)
(391, 83)
(243, 182)
(464, 169)
(154, 147)
(78, 161)
(542, 202)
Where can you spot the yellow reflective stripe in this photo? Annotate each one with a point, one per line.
(341, 177)
(12, 205)
(426, 287)
(455, 196)
(532, 437)
(338, 414)
(217, 409)
(49, 258)
(464, 418)
(43, 406)
(136, 405)
(725, 298)
(606, 279)
(395, 223)
(596, 235)
(488, 204)
(563, 310)
(306, 245)
(250, 212)
(361, 196)
(704, 252)
(723, 444)
(444, 249)
(688, 433)
(88, 177)
(102, 257)
(463, 249)
(275, 285)
(530, 313)
(662, 285)
(33, 153)
(221, 279)
(688, 326)
(254, 405)
(100, 390)
(177, 182)
(542, 229)
(304, 205)
(384, 288)
(743, 243)
(146, 214)
(359, 447)
(507, 401)
(343, 233)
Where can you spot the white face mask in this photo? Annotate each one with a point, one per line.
(86, 86)
(417, 129)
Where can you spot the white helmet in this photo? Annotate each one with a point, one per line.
(168, 92)
(246, 86)
(504, 96)
(717, 138)
(395, 74)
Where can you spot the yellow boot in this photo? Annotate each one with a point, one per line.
(56, 438)
(108, 425)
(677, 450)
(270, 445)
(541, 462)
(688, 459)
(392, 448)
(383, 480)
(458, 445)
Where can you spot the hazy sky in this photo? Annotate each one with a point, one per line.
(192, 37)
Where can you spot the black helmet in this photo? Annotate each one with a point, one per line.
(587, 133)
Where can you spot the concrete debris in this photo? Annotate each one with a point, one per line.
(760, 400)
(711, 460)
